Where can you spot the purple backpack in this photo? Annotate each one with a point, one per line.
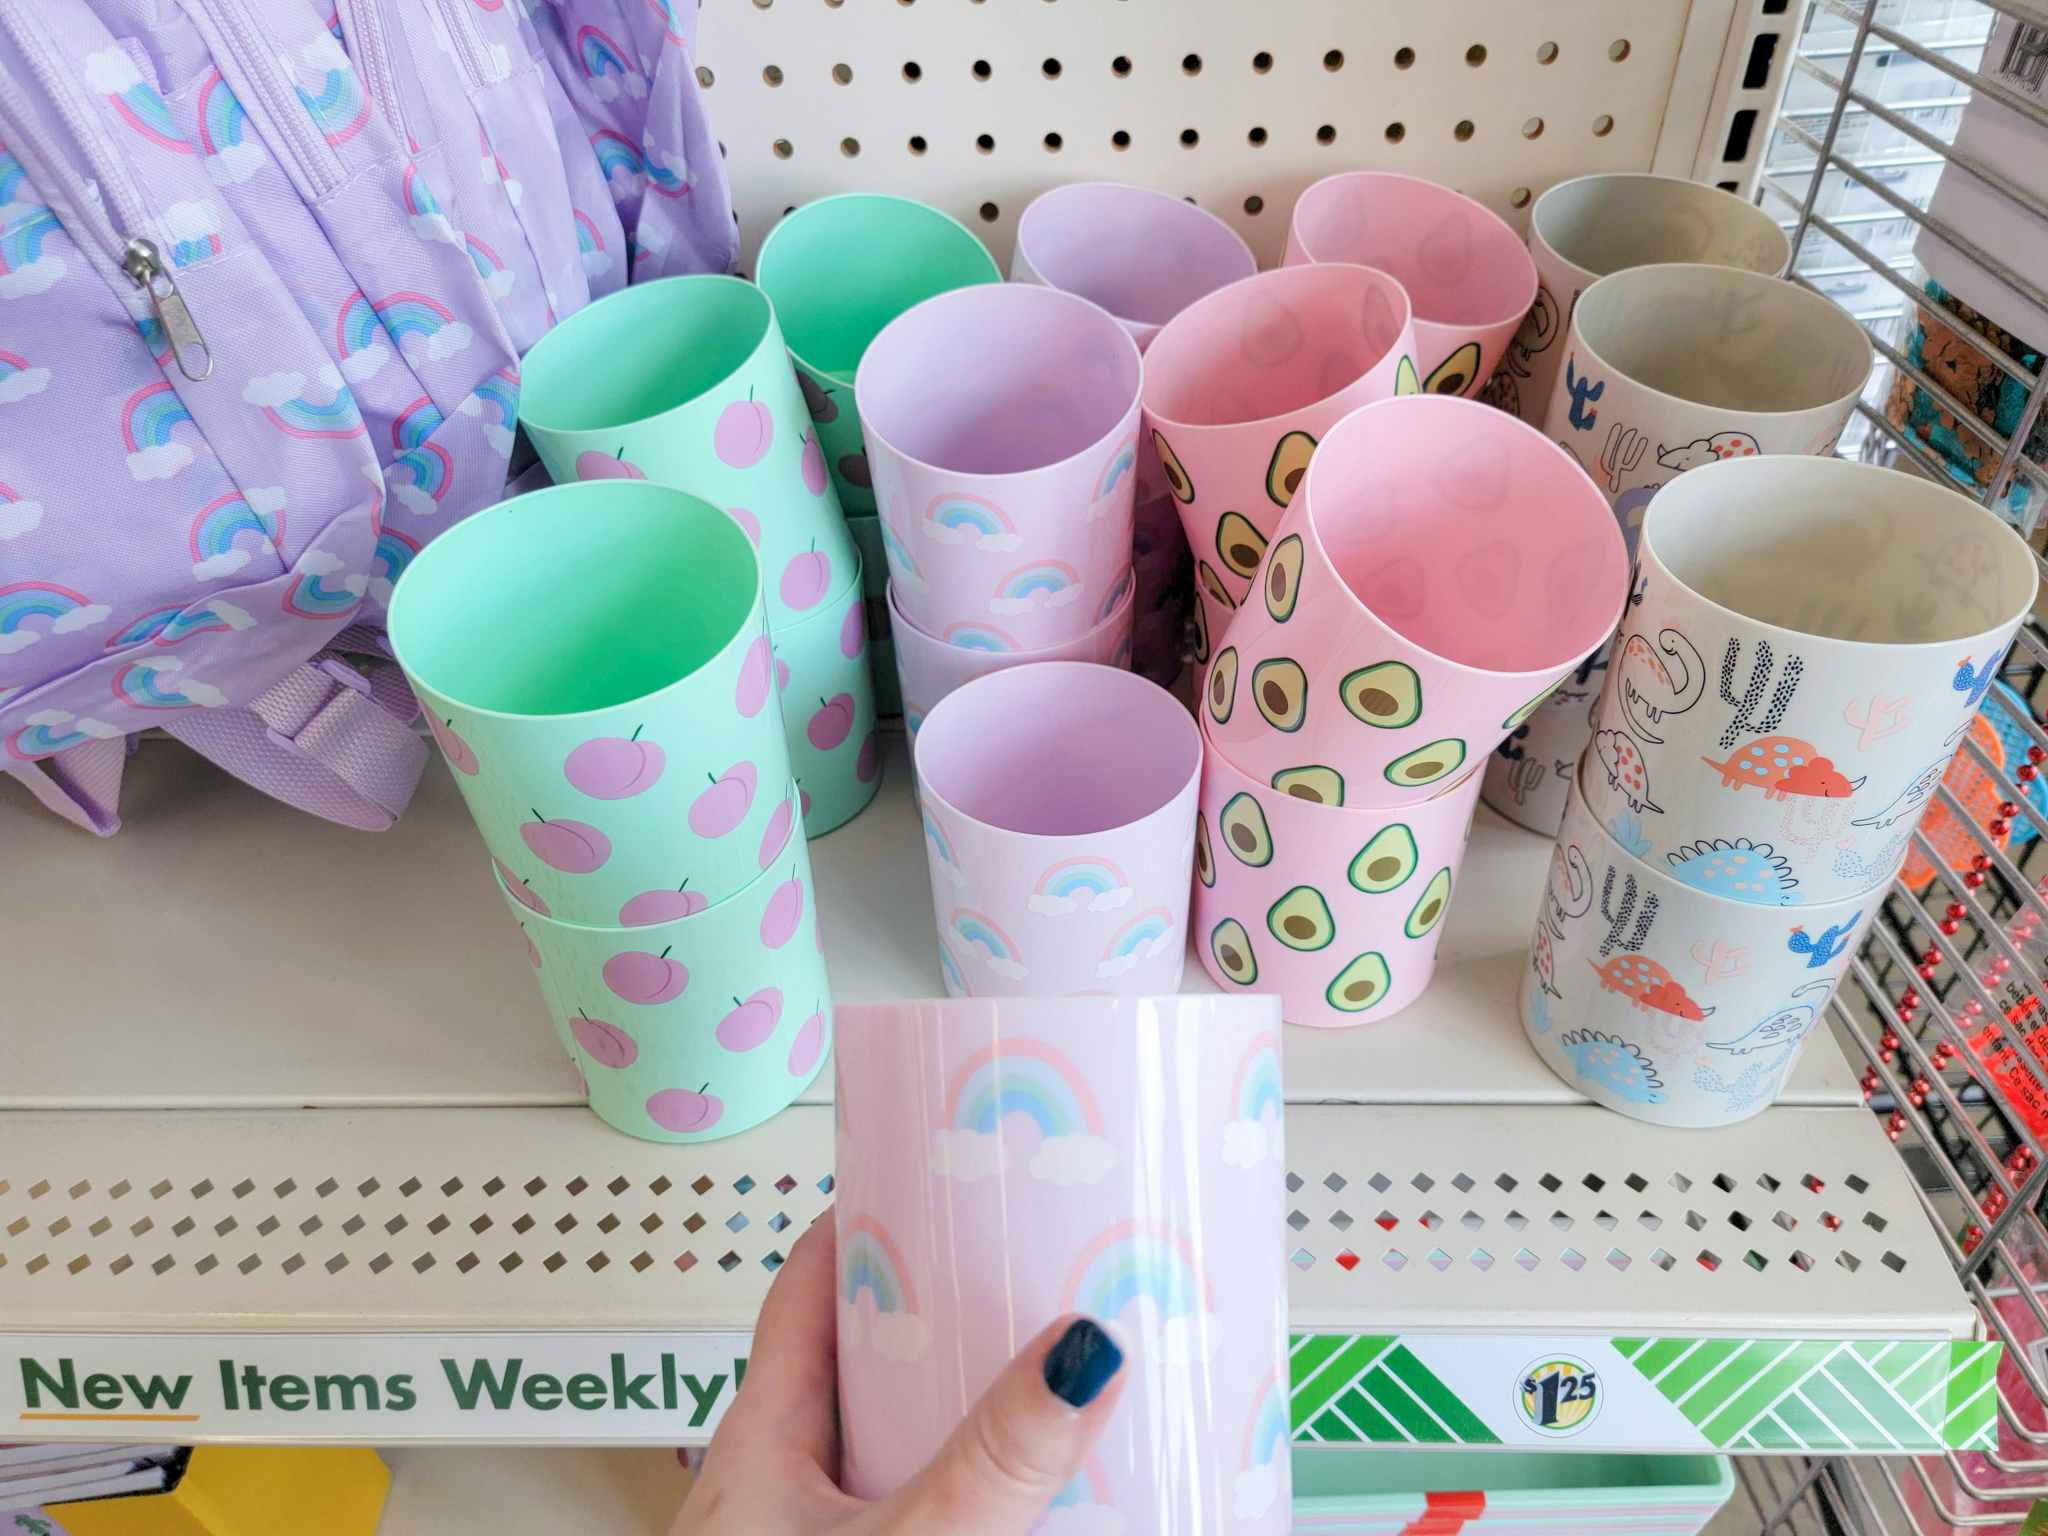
(265, 276)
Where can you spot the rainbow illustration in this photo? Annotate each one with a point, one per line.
(666, 179)
(26, 267)
(143, 627)
(1145, 937)
(1115, 596)
(18, 515)
(196, 248)
(284, 400)
(155, 684)
(424, 321)
(149, 418)
(56, 730)
(490, 267)
(423, 209)
(134, 100)
(66, 610)
(19, 378)
(13, 182)
(978, 637)
(1021, 1077)
(903, 566)
(671, 23)
(605, 65)
(359, 337)
(616, 157)
(393, 554)
(313, 595)
(1121, 463)
(225, 529)
(496, 401)
(1256, 1087)
(416, 423)
(1264, 1453)
(957, 518)
(979, 931)
(338, 107)
(223, 121)
(421, 469)
(1134, 1262)
(871, 1265)
(956, 984)
(1073, 885)
(1041, 584)
(942, 849)
(597, 257)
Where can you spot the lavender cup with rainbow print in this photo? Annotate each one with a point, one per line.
(1059, 820)
(1003, 1162)
(1002, 430)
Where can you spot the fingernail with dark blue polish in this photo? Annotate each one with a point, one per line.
(1082, 1363)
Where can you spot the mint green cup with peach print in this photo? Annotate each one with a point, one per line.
(825, 667)
(595, 664)
(686, 382)
(704, 1025)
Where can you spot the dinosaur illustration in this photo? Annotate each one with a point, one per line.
(1850, 865)
(1832, 941)
(1911, 800)
(1629, 508)
(1705, 450)
(1786, 1026)
(1536, 332)
(1612, 1063)
(1570, 891)
(1754, 1082)
(1654, 685)
(1583, 392)
(1782, 766)
(1647, 985)
(1976, 683)
(1626, 771)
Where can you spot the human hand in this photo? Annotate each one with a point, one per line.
(772, 1469)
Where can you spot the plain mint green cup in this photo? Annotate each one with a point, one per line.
(595, 664)
(841, 269)
(686, 382)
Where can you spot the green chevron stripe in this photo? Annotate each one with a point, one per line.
(1324, 1367)
(1359, 1417)
(1799, 1424)
(1688, 1373)
(1369, 1387)
(1462, 1423)
(1397, 1404)
(1793, 1365)
(1659, 1356)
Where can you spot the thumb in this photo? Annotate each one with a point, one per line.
(1021, 1444)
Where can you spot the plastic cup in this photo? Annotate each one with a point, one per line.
(1668, 368)
(1808, 641)
(1240, 387)
(1529, 775)
(686, 382)
(828, 708)
(1000, 1164)
(839, 270)
(595, 667)
(1587, 227)
(931, 668)
(1002, 427)
(1059, 818)
(1668, 1003)
(1467, 272)
(1442, 570)
(1337, 910)
(700, 1026)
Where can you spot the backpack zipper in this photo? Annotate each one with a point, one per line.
(468, 49)
(109, 202)
(363, 22)
(259, 72)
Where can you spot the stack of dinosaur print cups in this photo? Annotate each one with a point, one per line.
(1805, 643)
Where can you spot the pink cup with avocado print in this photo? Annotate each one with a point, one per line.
(1058, 802)
(1002, 430)
(701, 1025)
(1443, 567)
(1337, 910)
(595, 667)
(1239, 388)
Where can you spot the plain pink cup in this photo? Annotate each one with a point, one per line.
(1240, 386)
(1441, 571)
(1002, 433)
(1470, 275)
(1059, 819)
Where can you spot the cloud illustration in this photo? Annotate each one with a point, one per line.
(900, 1336)
(1095, 901)
(1070, 1160)
(12, 640)
(19, 517)
(416, 501)
(1247, 1143)
(159, 462)
(232, 164)
(109, 71)
(271, 390)
(81, 618)
(967, 1156)
(31, 278)
(444, 343)
(433, 226)
(267, 499)
(365, 362)
(192, 218)
(1038, 597)
(226, 563)
(1255, 1491)
(22, 383)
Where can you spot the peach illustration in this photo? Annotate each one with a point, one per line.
(615, 767)
(609, 1045)
(651, 907)
(785, 910)
(869, 763)
(809, 1044)
(807, 579)
(817, 399)
(461, 757)
(814, 465)
(853, 631)
(755, 672)
(717, 810)
(751, 1021)
(520, 891)
(833, 722)
(532, 949)
(749, 524)
(646, 979)
(681, 1110)
(781, 675)
(592, 465)
(573, 847)
(853, 469)
(776, 838)
(745, 429)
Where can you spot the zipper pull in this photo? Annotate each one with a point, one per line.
(145, 267)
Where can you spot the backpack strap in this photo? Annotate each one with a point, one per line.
(325, 738)
(83, 784)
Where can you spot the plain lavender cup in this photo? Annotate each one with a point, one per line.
(1240, 386)
(1001, 1162)
(929, 668)
(1059, 819)
(1002, 430)
(1442, 570)
(1468, 273)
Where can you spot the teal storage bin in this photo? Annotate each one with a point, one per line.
(1340, 1491)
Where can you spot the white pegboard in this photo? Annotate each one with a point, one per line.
(978, 105)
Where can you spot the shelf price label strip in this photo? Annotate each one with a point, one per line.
(1675, 1394)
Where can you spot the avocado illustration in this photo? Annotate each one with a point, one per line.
(1456, 373)
(1280, 689)
(1301, 919)
(1243, 826)
(1386, 694)
(1406, 380)
(1240, 545)
(1312, 781)
(1283, 578)
(1525, 711)
(1205, 861)
(1359, 985)
(1232, 947)
(1385, 861)
(1211, 583)
(1425, 765)
(1430, 905)
(1177, 479)
(1201, 634)
(1223, 684)
(1289, 464)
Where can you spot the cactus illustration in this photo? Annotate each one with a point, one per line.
(1976, 683)
(1746, 721)
(1756, 1081)
(1525, 777)
(1832, 941)
(1583, 392)
(1624, 451)
(1851, 865)
(1618, 919)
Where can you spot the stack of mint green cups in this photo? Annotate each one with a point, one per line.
(686, 382)
(838, 271)
(596, 666)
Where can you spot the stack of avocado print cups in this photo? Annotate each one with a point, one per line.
(595, 663)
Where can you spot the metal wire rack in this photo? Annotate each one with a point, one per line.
(1947, 1004)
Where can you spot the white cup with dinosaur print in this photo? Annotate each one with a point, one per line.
(1664, 1001)
(1806, 641)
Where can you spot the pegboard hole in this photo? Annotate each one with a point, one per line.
(1396, 132)
(1533, 128)
(1334, 60)
(1257, 137)
(784, 149)
(1120, 66)
(990, 213)
(981, 69)
(1120, 139)
(1052, 143)
(1476, 55)
(772, 73)
(762, 5)
(1546, 53)
(1327, 134)
(1189, 138)
(917, 144)
(843, 73)
(1603, 125)
(913, 71)
(849, 147)
(1050, 69)
(1618, 49)
(1255, 204)
(1463, 131)
(1191, 64)
(705, 78)
(1520, 197)
(1404, 58)
(985, 142)
(1261, 62)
